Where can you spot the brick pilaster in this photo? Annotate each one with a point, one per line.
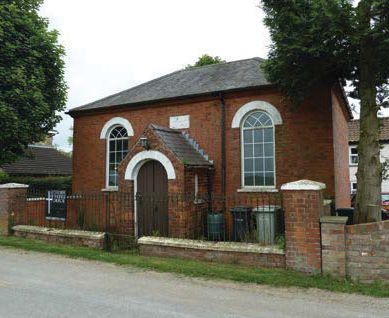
(303, 205)
(333, 235)
(8, 194)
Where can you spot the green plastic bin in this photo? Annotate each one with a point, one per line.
(215, 226)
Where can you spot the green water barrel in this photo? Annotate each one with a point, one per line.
(215, 226)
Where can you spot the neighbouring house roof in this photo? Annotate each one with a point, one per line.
(353, 130)
(183, 147)
(188, 82)
(40, 160)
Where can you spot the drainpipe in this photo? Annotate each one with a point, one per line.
(223, 149)
(209, 190)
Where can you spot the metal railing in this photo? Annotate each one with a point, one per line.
(251, 218)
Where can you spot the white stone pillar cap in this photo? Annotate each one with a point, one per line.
(303, 185)
(13, 186)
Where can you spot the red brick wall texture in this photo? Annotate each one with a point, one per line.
(360, 252)
(243, 258)
(305, 146)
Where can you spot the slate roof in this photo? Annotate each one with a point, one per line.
(41, 160)
(185, 83)
(184, 148)
(353, 130)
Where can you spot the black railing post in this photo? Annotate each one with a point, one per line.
(107, 221)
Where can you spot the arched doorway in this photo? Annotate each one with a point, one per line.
(152, 199)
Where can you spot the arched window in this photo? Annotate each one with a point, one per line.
(258, 158)
(117, 148)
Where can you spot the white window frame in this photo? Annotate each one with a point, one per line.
(107, 151)
(352, 191)
(350, 155)
(249, 188)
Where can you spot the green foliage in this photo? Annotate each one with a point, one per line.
(206, 59)
(70, 138)
(47, 183)
(281, 242)
(32, 86)
(318, 42)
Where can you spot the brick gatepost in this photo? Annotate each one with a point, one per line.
(8, 194)
(303, 205)
(333, 236)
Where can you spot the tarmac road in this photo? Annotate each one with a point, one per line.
(43, 285)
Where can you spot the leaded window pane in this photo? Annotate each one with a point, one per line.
(249, 165)
(258, 150)
(117, 149)
(258, 135)
(268, 134)
(248, 150)
(248, 136)
(259, 179)
(249, 179)
(269, 179)
(268, 148)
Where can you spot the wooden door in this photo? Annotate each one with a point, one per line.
(152, 200)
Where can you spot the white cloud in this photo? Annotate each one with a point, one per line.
(114, 45)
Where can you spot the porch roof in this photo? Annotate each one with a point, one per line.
(183, 147)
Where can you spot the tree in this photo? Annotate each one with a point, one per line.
(32, 86)
(70, 138)
(206, 59)
(319, 42)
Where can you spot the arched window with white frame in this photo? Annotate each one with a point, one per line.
(117, 149)
(258, 151)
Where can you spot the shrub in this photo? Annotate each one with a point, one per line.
(39, 184)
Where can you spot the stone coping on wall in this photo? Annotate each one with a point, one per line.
(58, 232)
(211, 246)
(367, 228)
(303, 185)
(13, 186)
(334, 219)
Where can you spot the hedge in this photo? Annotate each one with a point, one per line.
(46, 183)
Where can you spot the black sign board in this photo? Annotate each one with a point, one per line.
(56, 204)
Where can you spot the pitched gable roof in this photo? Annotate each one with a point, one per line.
(185, 149)
(353, 130)
(41, 160)
(188, 82)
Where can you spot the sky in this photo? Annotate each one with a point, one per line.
(114, 45)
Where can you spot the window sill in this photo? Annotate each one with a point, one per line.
(198, 201)
(258, 189)
(53, 218)
(110, 189)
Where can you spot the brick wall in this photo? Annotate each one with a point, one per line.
(340, 133)
(9, 198)
(304, 143)
(333, 246)
(360, 252)
(241, 258)
(223, 252)
(60, 236)
(367, 251)
(303, 205)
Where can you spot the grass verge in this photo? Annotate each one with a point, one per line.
(273, 277)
